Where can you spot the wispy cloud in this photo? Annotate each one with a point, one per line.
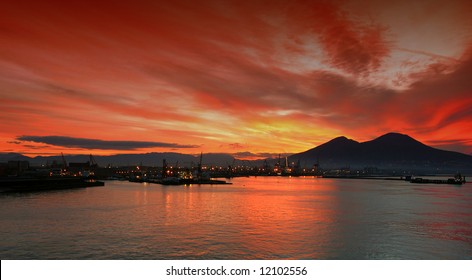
(353, 46)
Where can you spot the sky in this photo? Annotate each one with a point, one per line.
(251, 78)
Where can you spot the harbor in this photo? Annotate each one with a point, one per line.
(21, 177)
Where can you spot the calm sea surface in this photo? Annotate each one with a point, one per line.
(254, 218)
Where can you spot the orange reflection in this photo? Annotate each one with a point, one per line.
(277, 225)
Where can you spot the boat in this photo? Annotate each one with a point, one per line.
(170, 181)
(187, 178)
(190, 181)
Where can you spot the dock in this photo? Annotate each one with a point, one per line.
(46, 183)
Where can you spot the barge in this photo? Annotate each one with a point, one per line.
(457, 180)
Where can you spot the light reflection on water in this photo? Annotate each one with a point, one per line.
(254, 218)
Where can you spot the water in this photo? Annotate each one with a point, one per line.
(254, 218)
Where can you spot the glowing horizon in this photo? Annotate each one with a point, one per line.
(247, 77)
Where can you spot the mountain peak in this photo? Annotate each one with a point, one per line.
(395, 135)
(341, 140)
(395, 139)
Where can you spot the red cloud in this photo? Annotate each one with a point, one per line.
(160, 69)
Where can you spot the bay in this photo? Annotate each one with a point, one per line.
(253, 218)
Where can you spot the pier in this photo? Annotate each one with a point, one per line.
(46, 183)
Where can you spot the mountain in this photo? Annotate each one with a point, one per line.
(5, 157)
(389, 151)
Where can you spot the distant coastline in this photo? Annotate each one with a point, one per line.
(393, 154)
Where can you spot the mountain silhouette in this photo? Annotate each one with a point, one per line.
(389, 151)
